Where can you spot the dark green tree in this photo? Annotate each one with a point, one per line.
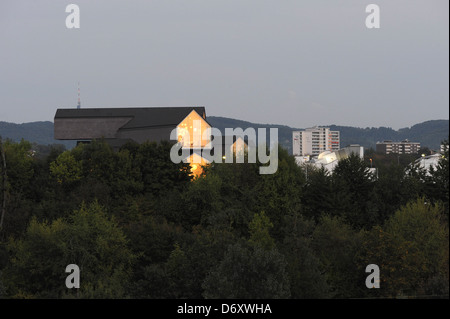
(259, 232)
(318, 195)
(201, 199)
(411, 250)
(306, 276)
(280, 193)
(248, 273)
(354, 184)
(89, 239)
(253, 269)
(159, 173)
(391, 191)
(438, 180)
(16, 171)
(336, 244)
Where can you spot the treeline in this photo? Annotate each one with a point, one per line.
(429, 133)
(139, 226)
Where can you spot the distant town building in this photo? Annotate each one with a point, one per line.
(328, 160)
(429, 161)
(328, 157)
(315, 140)
(426, 162)
(403, 147)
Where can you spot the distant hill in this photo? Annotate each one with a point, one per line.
(284, 132)
(430, 133)
(36, 132)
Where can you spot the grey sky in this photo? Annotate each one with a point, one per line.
(294, 62)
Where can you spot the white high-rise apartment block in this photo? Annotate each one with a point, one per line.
(315, 140)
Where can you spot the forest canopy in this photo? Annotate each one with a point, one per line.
(140, 226)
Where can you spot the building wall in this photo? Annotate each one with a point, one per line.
(88, 128)
(306, 145)
(151, 134)
(315, 140)
(334, 141)
(388, 147)
(296, 136)
(382, 148)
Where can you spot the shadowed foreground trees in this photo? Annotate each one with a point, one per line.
(248, 273)
(412, 250)
(139, 226)
(87, 238)
(250, 270)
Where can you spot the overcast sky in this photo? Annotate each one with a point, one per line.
(293, 62)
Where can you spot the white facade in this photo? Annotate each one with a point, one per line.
(329, 159)
(315, 140)
(426, 162)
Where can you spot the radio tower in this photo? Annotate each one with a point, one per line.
(79, 102)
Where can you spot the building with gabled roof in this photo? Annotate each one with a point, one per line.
(118, 125)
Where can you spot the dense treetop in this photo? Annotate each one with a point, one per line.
(139, 226)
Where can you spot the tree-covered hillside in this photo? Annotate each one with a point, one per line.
(430, 134)
(35, 132)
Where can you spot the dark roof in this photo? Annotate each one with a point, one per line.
(140, 116)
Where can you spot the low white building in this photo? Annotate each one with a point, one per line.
(329, 160)
(426, 162)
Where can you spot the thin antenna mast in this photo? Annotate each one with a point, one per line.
(79, 101)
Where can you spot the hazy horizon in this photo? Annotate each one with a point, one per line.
(355, 126)
(293, 63)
